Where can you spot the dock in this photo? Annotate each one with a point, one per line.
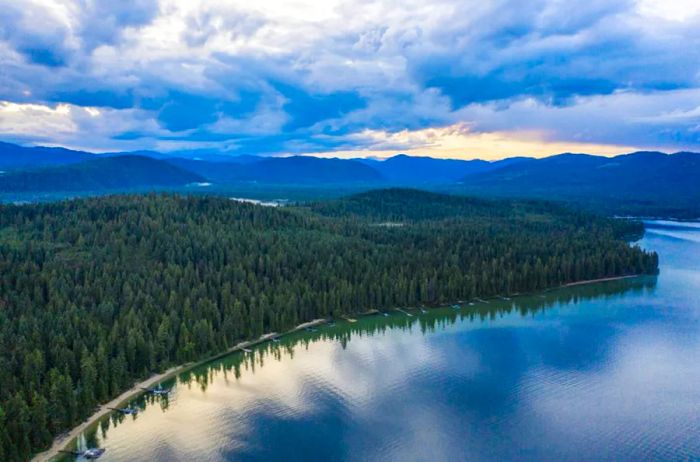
(61, 441)
(90, 454)
(125, 410)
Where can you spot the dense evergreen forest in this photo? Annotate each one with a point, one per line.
(96, 293)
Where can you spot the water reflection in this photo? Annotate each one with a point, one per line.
(600, 372)
(193, 389)
(430, 322)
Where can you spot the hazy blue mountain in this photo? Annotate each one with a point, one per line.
(151, 154)
(411, 170)
(281, 170)
(646, 173)
(118, 173)
(646, 183)
(14, 157)
(302, 169)
(638, 179)
(397, 170)
(211, 155)
(404, 169)
(224, 171)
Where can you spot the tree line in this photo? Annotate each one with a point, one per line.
(97, 293)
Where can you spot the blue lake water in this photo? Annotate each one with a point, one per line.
(609, 371)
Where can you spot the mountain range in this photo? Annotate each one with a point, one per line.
(13, 156)
(281, 170)
(636, 183)
(411, 170)
(99, 174)
(641, 180)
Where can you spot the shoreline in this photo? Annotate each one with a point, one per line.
(61, 441)
(593, 281)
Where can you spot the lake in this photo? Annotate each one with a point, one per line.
(609, 371)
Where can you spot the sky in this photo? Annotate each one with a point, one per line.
(446, 78)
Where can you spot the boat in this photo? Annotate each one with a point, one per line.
(125, 410)
(456, 307)
(247, 350)
(90, 454)
(386, 315)
(158, 391)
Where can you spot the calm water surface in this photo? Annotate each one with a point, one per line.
(603, 372)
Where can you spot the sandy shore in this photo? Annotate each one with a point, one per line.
(593, 281)
(61, 441)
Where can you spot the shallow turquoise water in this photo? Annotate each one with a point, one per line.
(609, 371)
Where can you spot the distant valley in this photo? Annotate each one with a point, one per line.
(642, 183)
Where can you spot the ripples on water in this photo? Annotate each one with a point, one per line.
(601, 372)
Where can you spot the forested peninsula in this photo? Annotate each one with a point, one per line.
(97, 293)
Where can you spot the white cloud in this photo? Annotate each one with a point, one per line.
(459, 141)
(506, 69)
(627, 118)
(69, 125)
(673, 10)
(35, 120)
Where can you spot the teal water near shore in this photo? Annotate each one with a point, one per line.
(606, 371)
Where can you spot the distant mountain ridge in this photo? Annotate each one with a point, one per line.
(646, 182)
(13, 156)
(640, 173)
(108, 173)
(307, 169)
(285, 170)
(412, 170)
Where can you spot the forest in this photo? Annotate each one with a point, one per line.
(97, 293)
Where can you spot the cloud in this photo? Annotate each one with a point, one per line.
(536, 51)
(274, 77)
(83, 127)
(51, 33)
(101, 22)
(677, 10)
(652, 120)
(459, 140)
(39, 33)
